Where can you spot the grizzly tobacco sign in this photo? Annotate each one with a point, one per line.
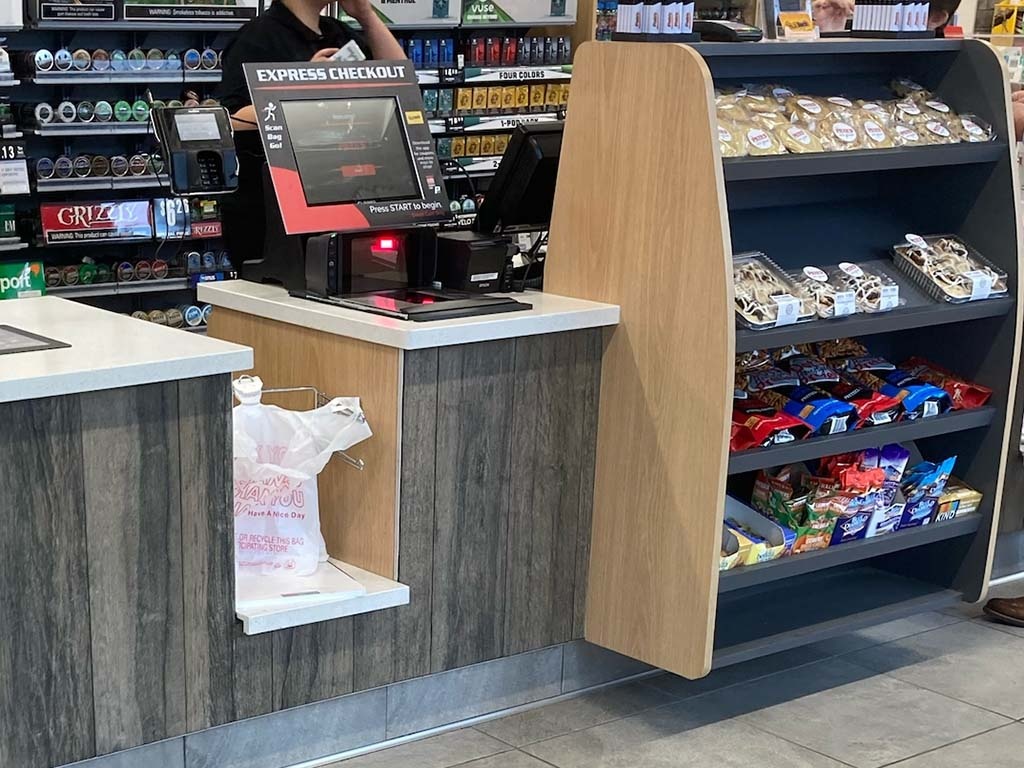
(124, 220)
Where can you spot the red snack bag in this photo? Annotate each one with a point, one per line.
(963, 393)
(757, 424)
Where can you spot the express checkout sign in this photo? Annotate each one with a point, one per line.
(347, 145)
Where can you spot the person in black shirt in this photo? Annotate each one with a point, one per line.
(290, 30)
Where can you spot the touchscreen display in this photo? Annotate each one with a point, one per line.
(201, 126)
(350, 150)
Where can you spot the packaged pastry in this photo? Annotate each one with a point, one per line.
(797, 139)
(764, 295)
(838, 133)
(730, 142)
(936, 109)
(879, 111)
(963, 393)
(759, 141)
(873, 291)
(874, 134)
(936, 132)
(906, 136)
(909, 112)
(840, 105)
(948, 269)
(828, 298)
(806, 109)
(971, 128)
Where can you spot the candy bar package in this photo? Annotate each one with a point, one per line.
(824, 414)
(964, 394)
(957, 500)
(917, 397)
(923, 486)
(948, 269)
(756, 424)
(873, 408)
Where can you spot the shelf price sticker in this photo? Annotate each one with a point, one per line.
(981, 283)
(449, 75)
(789, 310)
(845, 303)
(890, 297)
(13, 169)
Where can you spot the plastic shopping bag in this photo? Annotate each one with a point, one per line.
(278, 454)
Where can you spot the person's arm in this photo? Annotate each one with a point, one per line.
(382, 43)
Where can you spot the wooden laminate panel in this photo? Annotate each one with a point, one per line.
(395, 644)
(474, 420)
(357, 509)
(666, 386)
(228, 675)
(547, 462)
(590, 392)
(133, 524)
(46, 696)
(312, 662)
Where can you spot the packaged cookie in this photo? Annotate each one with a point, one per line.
(839, 105)
(756, 102)
(909, 112)
(936, 132)
(906, 136)
(797, 139)
(759, 141)
(905, 88)
(838, 135)
(764, 294)
(874, 134)
(949, 269)
(731, 111)
(970, 128)
(805, 109)
(828, 298)
(770, 121)
(730, 142)
(873, 291)
(937, 109)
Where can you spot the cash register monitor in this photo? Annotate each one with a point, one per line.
(522, 192)
(351, 150)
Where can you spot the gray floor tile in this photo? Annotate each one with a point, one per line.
(1001, 748)
(985, 621)
(973, 610)
(670, 737)
(585, 665)
(682, 688)
(444, 751)
(512, 759)
(884, 633)
(576, 714)
(967, 661)
(861, 718)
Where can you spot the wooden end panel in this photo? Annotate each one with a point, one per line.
(640, 221)
(358, 510)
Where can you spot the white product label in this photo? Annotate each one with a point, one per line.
(14, 177)
(844, 132)
(836, 424)
(783, 437)
(781, 93)
(971, 127)
(846, 303)
(881, 417)
(816, 274)
(759, 138)
(930, 408)
(874, 130)
(851, 269)
(789, 310)
(479, 277)
(724, 135)
(937, 128)
(890, 298)
(809, 106)
(870, 106)
(938, 106)
(908, 108)
(981, 284)
(799, 134)
(840, 101)
(907, 134)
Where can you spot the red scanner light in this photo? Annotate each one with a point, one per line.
(386, 244)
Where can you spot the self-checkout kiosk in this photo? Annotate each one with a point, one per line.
(354, 187)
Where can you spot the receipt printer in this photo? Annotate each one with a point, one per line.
(476, 263)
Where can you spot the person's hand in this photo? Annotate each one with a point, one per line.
(360, 10)
(1017, 96)
(324, 54)
(1018, 119)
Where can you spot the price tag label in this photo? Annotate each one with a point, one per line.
(890, 298)
(789, 310)
(450, 75)
(915, 240)
(14, 177)
(12, 150)
(846, 303)
(981, 284)
(454, 124)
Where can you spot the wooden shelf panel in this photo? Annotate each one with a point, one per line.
(870, 437)
(844, 554)
(859, 161)
(753, 623)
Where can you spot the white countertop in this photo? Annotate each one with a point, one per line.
(550, 314)
(107, 350)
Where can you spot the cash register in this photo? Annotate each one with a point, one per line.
(354, 187)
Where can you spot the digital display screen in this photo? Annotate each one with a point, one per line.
(201, 126)
(350, 150)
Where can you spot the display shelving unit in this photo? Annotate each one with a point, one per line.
(664, 468)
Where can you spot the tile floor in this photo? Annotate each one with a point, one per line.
(934, 691)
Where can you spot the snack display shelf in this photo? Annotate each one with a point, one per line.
(789, 614)
(44, 186)
(859, 161)
(120, 289)
(7, 247)
(859, 439)
(844, 554)
(482, 123)
(93, 129)
(117, 78)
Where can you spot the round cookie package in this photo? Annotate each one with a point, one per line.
(907, 136)
(838, 135)
(936, 132)
(909, 112)
(797, 139)
(971, 128)
(873, 133)
(730, 142)
(759, 141)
